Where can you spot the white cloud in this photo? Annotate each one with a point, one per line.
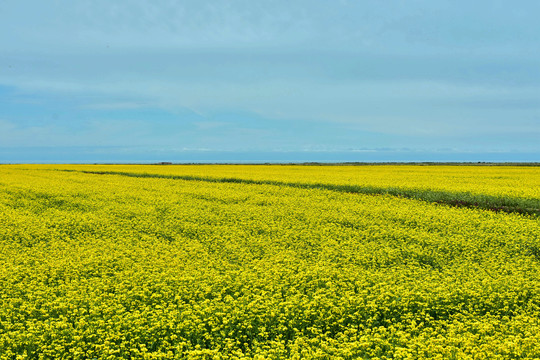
(419, 69)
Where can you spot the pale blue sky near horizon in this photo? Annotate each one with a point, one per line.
(269, 80)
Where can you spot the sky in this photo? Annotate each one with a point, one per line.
(265, 81)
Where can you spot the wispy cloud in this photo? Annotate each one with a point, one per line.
(262, 76)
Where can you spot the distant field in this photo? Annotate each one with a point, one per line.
(507, 188)
(269, 262)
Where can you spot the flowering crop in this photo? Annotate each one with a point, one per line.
(112, 266)
(508, 181)
(501, 188)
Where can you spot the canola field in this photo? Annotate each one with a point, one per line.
(269, 262)
(510, 188)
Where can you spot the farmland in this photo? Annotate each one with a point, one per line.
(269, 262)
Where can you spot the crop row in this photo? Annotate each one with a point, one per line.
(499, 181)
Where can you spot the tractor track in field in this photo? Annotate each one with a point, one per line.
(455, 199)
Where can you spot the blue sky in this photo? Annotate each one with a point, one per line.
(269, 80)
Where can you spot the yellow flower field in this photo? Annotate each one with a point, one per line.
(509, 181)
(119, 266)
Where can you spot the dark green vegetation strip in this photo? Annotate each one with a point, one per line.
(459, 199)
